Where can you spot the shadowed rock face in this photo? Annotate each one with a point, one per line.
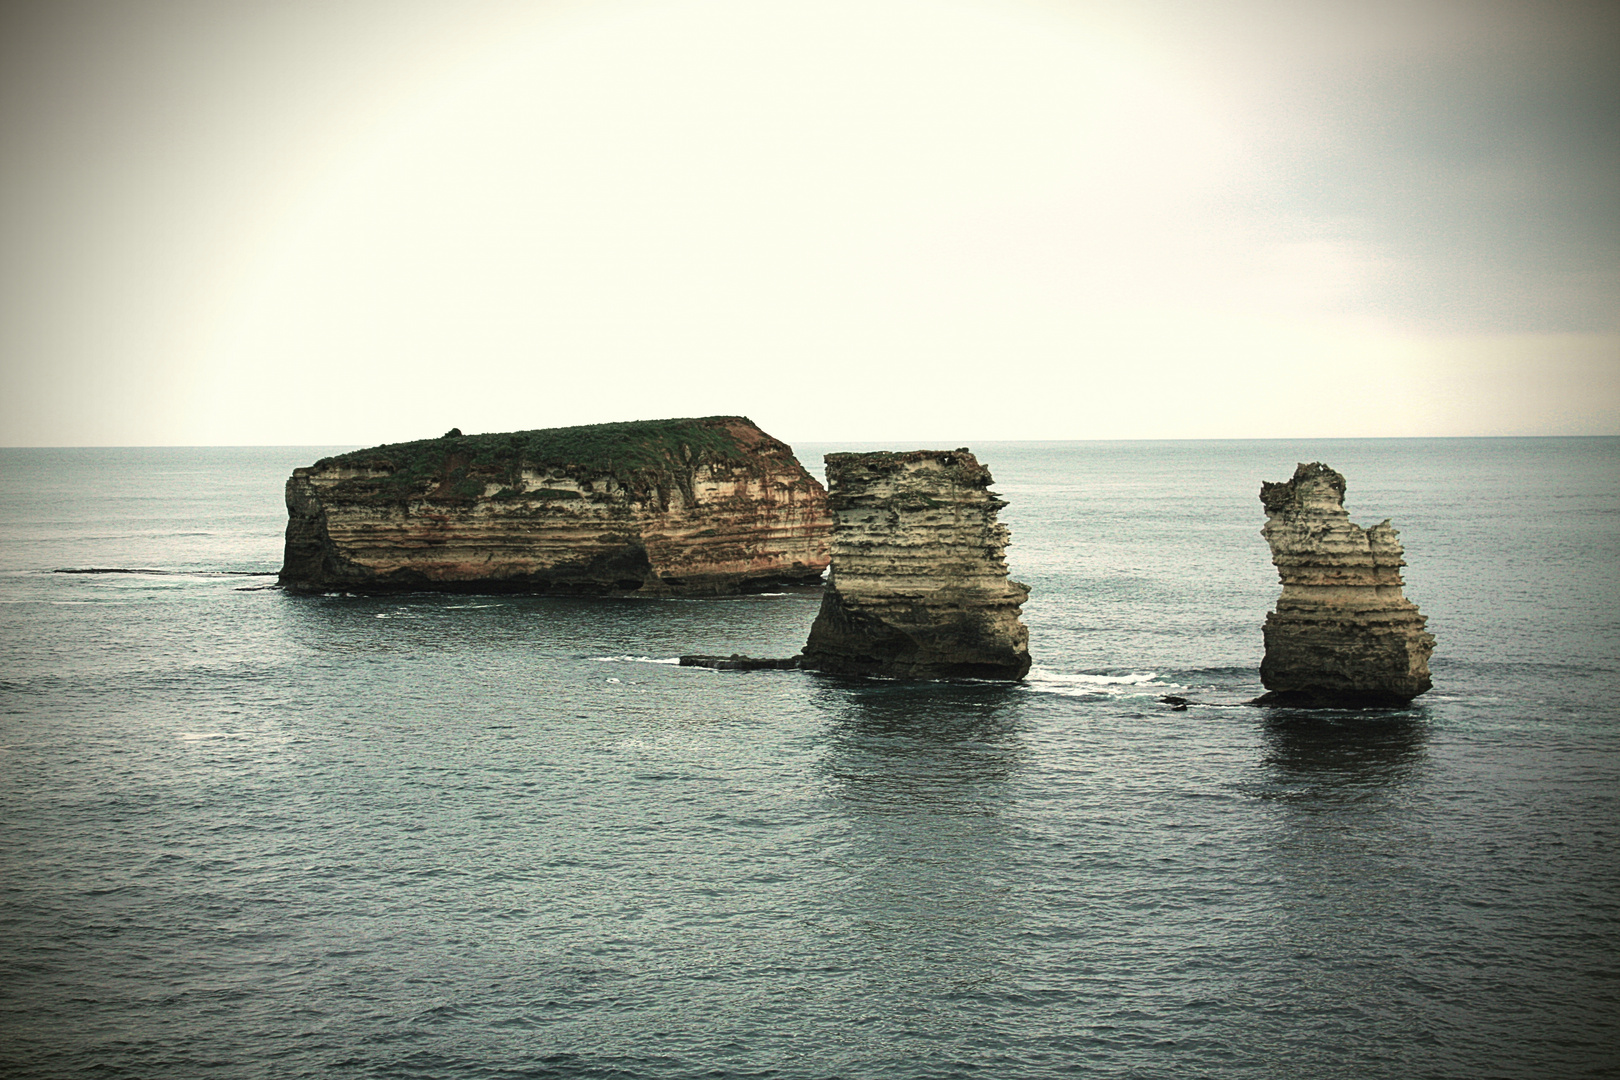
(665, 507)
(919, 586)
(1343, 635)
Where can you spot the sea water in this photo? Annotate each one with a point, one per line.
(247, 834)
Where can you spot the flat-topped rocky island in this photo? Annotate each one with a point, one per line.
(690, 507)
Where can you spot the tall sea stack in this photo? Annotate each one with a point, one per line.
(656, 507)
(1343, 635)
(919, 586)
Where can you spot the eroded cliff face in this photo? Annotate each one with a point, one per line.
(672, 507)
(919, 585)
(1343, 633)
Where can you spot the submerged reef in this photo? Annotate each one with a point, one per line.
(1343, 634)
(688, 507)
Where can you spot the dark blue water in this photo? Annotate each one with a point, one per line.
(253, 835)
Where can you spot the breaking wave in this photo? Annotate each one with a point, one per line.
(1086, 685)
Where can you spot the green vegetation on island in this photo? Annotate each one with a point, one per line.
(638, 454)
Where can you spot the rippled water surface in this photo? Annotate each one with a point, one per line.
(254, 835)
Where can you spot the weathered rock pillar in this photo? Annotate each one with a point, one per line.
(1343, 635)
(919, 587)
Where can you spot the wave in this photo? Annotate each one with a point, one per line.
(673, 660)
(1091, 685)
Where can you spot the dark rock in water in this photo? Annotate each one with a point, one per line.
(662, 507)
(1176, 703)
(919, 587)
(738, 662)
(1330, 699)
(1343, 634)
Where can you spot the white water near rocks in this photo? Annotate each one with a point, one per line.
(255, 835)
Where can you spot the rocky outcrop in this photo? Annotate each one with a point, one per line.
(1343, 635)
(919, 585)
(739, 662)
(663, 507)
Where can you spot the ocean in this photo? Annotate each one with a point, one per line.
(247, 834)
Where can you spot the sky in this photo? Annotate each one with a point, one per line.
(346, 222)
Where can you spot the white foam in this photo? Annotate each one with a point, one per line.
(1086, 685)
(675, 660)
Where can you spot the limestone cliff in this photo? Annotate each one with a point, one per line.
(664, 507)
(1343, 633)
(919, 585)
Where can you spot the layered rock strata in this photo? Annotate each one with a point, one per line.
(919, 585)
(665, 507)
(1343, 634)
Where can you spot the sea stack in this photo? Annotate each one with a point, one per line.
(1343, 635)
(919, 586)
(659, 507)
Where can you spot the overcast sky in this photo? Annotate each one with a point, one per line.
(356, 221)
